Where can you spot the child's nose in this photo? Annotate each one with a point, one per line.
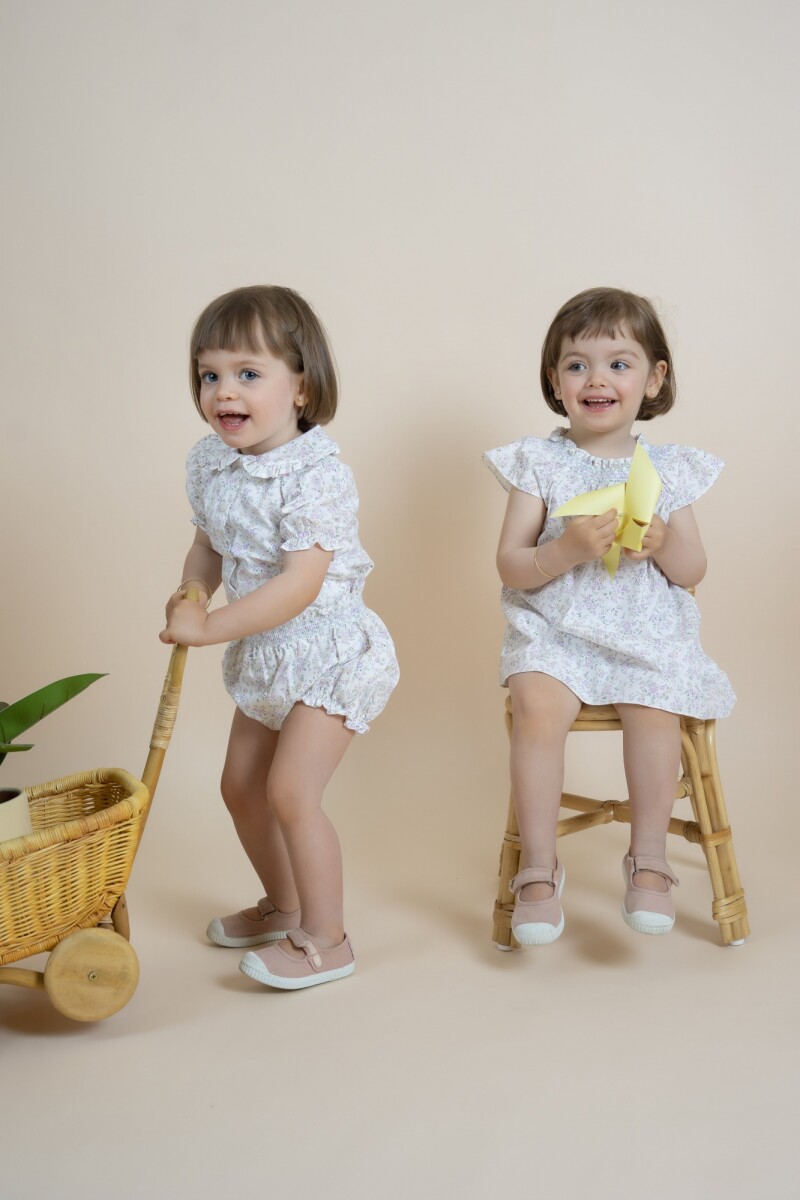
(226, 389)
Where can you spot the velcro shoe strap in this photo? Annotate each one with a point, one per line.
(265, 906)
(532, 875)
(658, 866)
(300, 939)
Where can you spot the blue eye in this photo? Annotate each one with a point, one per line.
(249, 375)
(208, 377)
(575, 367)
(618, 365)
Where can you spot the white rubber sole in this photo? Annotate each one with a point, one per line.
(540, 933)
(647, 922)
(216, 934)
(252, 966)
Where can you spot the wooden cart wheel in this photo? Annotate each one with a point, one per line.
(91, 974)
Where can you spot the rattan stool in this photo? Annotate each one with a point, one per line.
(699, 781)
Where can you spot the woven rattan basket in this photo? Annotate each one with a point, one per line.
(71, 871)
(62, 887)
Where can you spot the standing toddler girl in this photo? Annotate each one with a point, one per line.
(308, 665)
(575, 634)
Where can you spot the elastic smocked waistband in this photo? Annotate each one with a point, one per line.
(346, 609)
(333, 591)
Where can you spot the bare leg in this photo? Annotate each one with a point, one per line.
(544, 709)
(652, 755)
(310, 747)
(251, 748)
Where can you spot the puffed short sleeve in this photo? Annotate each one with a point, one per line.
(526, 465)
(198, 466)
(319, 508)
(686, 473)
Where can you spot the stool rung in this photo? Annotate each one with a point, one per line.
(605, 811)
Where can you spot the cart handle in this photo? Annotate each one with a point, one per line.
(167, 710)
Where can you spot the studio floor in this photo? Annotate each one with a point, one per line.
(607, 1064)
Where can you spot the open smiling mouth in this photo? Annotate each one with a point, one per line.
(598, 404)
(232, 420)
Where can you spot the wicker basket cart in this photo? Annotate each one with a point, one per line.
(62, 888)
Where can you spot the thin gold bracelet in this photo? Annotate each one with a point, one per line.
(185, 583)
(539, 568)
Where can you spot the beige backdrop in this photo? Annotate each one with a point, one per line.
(436, 178)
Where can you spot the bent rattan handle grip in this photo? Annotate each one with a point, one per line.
(167, 710)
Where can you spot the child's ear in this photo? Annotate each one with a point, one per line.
(657, 377)
(552, 375)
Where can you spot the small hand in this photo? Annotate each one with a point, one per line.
(186, 620)
(588, 538)
(652, 542)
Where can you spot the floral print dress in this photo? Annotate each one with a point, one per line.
(336, 654)
(633, 639)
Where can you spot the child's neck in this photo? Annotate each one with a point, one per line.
(616, 443)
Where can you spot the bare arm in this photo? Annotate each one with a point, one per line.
(584, 539)
(676, 547)
(275, 602)
(203, 565)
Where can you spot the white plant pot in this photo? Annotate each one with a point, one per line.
(15, 817)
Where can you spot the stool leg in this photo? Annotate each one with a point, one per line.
(729, 908)
(509, 866)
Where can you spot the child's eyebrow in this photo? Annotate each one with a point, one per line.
(239, 360)
(617, 351)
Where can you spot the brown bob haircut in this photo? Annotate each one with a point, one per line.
(606, 312)
(276, 319)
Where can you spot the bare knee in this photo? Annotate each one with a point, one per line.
(286, 801)
(535, 719)
(239, 793)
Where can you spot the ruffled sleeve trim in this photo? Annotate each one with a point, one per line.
(200, 460)
(525, 465)
(319, 508)
(686, 473)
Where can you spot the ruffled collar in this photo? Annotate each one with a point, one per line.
(302, 451)
(560, 436)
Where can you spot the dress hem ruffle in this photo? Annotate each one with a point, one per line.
(585, 697)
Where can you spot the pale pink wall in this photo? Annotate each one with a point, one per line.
(436, 180)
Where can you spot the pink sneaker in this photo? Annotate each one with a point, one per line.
(281, 970)
(644, 910)
(537, 922)
(241, 930)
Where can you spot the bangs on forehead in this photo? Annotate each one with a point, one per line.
(233, 327)
(612, 319)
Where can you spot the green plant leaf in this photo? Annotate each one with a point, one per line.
(10, 747)
(26, 712)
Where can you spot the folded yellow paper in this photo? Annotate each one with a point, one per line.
(635, 502)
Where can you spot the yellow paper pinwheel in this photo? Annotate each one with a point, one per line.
(635, 502)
